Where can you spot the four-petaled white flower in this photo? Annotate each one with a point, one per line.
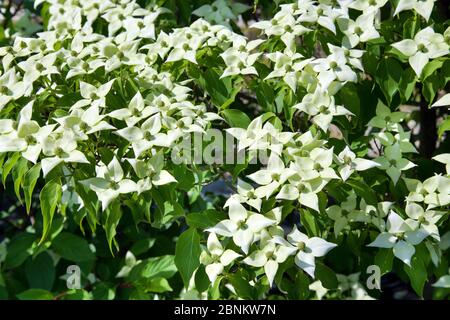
(216, 258)
(110, 182)
(308, 249)
(401, 237)
(348, 163)
(242, 225)
(426, 45)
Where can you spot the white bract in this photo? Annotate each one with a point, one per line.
(422, 7)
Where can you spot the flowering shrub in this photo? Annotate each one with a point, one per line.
(213, 149)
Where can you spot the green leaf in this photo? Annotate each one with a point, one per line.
(326, 276)
(113, 215)
(9, 164)
(241, 285)
(417, 274)
(350, 99)
(407, 83)
(19, 249)
(388, 77)
(35, 294)
(103, 291)
(301, 286)
(3, 291)
(222, 91)
(363, 190)
(384, 259)
(72, 247)
(201, 279)
(205, 219)
(444, 126)
(40, 272)
(163, 266)
(431, 87)
(309, 222)
(18, 172)
(158, 285)
(236, 118)
(29, 182)
(431, 67)
(49, 197)
(187, 254)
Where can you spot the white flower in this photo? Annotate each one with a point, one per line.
(269, 256)
(38, 66)
(135, 112)
(360, 30)
(400, 237)
(185, 47)
(374, 215)
(320, 105)
(238, 62)
(287, 66)
(426, 45)
(147, 136)
(85, 122)
(271, 178)
(351, 283)
(245, 194)
(60, 147)
(434, 191)
(110, 182)
(25, 135)
(422, 7)
(308, 249)
(427, 219)
(92, 95)
(402, 138)
(242, 225)
(11, 88)
(303, 191)
(348, 163)
(216, 258)
(151, 172)
(333, 68)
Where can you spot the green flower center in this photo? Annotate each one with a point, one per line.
(59, 152)
(30, 139)
(40, 67)
(135, 112)
(347, 160)
(301, 246)
(318, 166)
